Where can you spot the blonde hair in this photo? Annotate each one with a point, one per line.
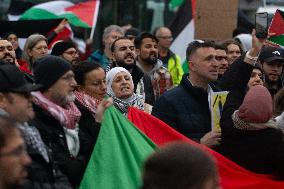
(31, 41)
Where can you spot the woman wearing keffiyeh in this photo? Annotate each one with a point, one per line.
(89, 93)
(121, 88)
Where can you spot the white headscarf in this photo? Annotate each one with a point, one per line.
(123, 104)
(111, 75)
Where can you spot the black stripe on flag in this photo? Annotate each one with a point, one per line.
(24, 28)
(182, 18)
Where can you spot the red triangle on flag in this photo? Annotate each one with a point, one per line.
(232, 176)
(86, 11)
(277, 24)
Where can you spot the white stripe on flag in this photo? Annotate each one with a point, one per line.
(182, 40)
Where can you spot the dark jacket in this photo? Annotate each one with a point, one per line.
(43, 175)
(261, 151)
(89, 127)
(186, 109)
(53, 136)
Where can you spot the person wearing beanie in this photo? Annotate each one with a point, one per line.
(57, 117)
(66, 50)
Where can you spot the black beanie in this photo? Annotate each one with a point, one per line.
(49, 69)
(60, 47)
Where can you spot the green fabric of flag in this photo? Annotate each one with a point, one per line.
(175, 3)
(118, 155)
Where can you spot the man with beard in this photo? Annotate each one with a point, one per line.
(124, 55)
(16, 103)
(56, 117)
(272, 60)
(147, 55)
(66, 50)
(8, 54)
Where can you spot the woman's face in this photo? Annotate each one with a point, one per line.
(122, 85)
(39, 50)
(95, 84)
(255, 78)
(14, 40)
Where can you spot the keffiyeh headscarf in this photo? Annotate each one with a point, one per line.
(123, 104)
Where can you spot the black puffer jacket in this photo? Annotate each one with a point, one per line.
(53, 136)
(186, 109)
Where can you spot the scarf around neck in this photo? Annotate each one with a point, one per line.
(32, 138)
(135, 101)
(68, 117)
(87, 101)
(243, 125)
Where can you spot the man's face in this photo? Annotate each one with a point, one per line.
(110, 38)
(95, 83)
(71, 55)
(14, 161)
(62, 91)
(165, 38)
(124, 52)
(7, 52)
(255, 78)
(272, 70)
(14, 40)
(204, 64)
(39, 50)
(233, 53)
(221, 57)
(18, 106)
(122, 85)
(148, 51)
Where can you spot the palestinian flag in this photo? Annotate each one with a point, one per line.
(277, 27)
(182, 29)
(118, 155)
(79, 15)
(122, 147)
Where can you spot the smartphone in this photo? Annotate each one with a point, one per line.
(261, 25)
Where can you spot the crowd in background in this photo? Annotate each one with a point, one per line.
(52, 103)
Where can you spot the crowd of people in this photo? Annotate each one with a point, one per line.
(52, 105)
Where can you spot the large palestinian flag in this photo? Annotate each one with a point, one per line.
(122, 147)
(182, 29)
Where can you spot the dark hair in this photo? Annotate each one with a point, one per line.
(193, 46)
(220, 47)
(132, 31)
(82, 69)
(278, 102)
(138, 40)
(7, 128)
(178, 165)
(112, 47)
(228, 42)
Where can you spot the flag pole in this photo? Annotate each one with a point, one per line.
(96, 11)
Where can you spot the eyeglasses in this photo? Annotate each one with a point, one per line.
(72, 53)
(20, 150)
